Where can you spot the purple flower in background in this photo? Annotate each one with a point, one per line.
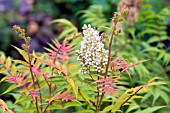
(25, 5)
(6, 5)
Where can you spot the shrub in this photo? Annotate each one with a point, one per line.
(52, 81)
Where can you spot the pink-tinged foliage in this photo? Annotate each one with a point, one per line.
(59, 52)
(49, 63)
(34, 93)
(21, 81)
(67, 95)
(119, 65)
(106, 85)
(18, 79)
(54, 66)
(36, 70)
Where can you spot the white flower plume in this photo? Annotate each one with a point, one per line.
(92, 54)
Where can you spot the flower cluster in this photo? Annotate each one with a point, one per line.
(118, 17)
(133, 6)
(92, 54)
(22, 33)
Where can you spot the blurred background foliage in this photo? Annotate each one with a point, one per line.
(34, 15)
(148, 38)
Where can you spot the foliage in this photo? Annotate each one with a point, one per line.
(4, 107)
(51, 81)
(34, 16)
(146, 39)
(54, 72)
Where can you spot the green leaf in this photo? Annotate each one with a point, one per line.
(63, 21)
(52, 107)
(157, 39)
(65, 33)
(8, 63)
(146, 97)
(2, 70)
(151, 26)
(155, 97)
(4, 107)
(70, 104)
(21, 98)
(107, 109)
(2, 59)
(152, 109)
(69, 27)
(166, 58)
(151, 49)
(13, 70)
(119, 102)
(23, 53)
(164, 96)
(73, 85)
(156, 83)
(84, 95)
(4, 78)
(29, 110)
(21, 62)
(132, 107)
(72, 66)
(85, 111)
(28, 99)
(10, 89)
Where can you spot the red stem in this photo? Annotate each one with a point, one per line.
(40, 93)
(29, 62)
(107, 66)
(131, 96)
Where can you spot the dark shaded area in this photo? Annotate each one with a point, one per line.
(35, 15)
